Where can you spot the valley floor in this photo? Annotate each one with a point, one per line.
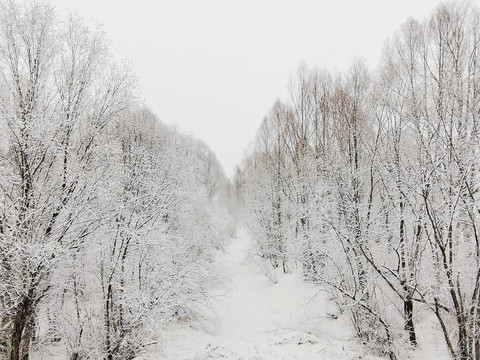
(251, 318)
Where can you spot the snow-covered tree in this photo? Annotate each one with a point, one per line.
(59, 90)
(379, 184)
(107, 217)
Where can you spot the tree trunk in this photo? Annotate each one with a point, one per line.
(22, 329)
(409, 325)
(108, 329)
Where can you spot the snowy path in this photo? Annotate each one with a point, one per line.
(252, 318)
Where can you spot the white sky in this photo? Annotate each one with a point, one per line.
(215, 67)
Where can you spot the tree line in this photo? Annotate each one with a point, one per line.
(107, 216)
(369, 182)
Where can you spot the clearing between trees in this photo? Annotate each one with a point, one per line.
(253, 318)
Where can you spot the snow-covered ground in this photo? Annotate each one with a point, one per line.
(252, 318)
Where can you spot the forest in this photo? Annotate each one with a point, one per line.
(106, 215)
(367, 182)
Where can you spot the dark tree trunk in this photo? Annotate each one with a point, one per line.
(22, 330)
(108, 311)
(409, 325)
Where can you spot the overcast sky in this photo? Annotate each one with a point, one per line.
(215, 67)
